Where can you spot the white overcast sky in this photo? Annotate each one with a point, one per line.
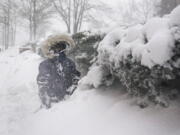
(113, 3)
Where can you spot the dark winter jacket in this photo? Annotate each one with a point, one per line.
(56, 75)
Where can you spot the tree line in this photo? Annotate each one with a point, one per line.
(73, 13)
(37, 13)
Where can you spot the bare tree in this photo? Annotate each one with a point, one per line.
(8, 9)
(37, 12)
(72, 12)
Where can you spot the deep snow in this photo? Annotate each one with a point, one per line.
(18, 89)
(103, 111)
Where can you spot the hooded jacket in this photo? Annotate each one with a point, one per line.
(56, 75)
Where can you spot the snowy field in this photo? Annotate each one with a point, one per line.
(106, 111)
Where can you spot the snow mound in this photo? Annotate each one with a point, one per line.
(174, 17)
(142, 42)
(102, 112)
(175, 23)
(159, 49)
(154, 26)
(93, 80)
(19, 95)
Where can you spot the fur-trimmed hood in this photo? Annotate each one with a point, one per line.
(52, 40)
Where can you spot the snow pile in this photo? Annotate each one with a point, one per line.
(99, 111)
(175, 22)
(105, 111)
(142, 42)
(174, 19)
(158, 50)
(151, 44)
(95, 77)
(91, 79)
(154, 26)
(19, 95)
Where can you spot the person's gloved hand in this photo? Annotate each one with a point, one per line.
(75, 80)
(71, 89)
(46, 101)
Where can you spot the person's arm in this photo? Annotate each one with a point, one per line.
(43, 81)
(76, 73)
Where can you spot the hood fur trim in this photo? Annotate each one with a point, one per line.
(52, 40)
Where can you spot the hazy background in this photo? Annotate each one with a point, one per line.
(22, 21)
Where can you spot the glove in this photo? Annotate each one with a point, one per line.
(46, 101)
(75, 80)
(71, 90)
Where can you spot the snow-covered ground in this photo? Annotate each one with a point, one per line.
(103, 111)
(18, 89)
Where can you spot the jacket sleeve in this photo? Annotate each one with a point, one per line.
(75, 73)
(43, 81)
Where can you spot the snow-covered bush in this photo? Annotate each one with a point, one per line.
(175, 23)
(145, 58)
(85, 51)
(97, 75)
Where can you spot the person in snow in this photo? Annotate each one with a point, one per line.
(57, 74)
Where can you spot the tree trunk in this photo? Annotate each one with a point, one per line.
(14, 39)
(30, 29)
(8, 25)
(34, 20)
(4, 33)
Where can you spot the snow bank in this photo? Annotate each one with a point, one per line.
(94, 77)
(19, 95)
(174, 17)
(154, 26)
(159, 49)
(105, 111)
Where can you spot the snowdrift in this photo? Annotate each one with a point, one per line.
(145, 58)
(104, 111)
(18, 88)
